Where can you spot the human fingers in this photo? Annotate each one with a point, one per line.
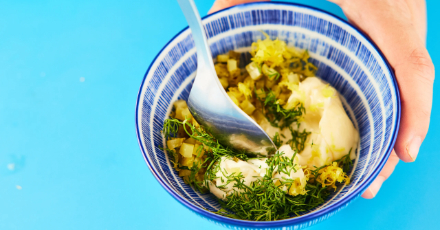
(386, 172)
(418, 12)
(221, 4)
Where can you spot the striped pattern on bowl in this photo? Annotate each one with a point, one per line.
(345, 58)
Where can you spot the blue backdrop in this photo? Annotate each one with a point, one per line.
(69, 158)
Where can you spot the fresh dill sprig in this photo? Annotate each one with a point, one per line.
(170, 128)
(199, 134)
(298, 139)
(345, 162)
(263, 200)
(276, 114)
(277, 140)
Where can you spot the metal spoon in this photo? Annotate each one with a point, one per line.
(209, 103)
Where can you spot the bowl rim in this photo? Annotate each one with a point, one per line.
(300, 219)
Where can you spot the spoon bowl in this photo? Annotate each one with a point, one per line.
(211, 106)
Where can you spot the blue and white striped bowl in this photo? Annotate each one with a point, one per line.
(345, 58)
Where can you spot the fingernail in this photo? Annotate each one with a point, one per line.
(368, 194)
(372, 191)
(413, 147)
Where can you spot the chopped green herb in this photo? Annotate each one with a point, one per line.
(298, 139)
(263, 200)
(277, 115)
(277, 140)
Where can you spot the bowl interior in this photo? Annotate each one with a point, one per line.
(344, 57)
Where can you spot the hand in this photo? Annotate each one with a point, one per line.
(398, 27)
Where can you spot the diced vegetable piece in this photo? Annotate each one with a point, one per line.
(195, 123)
(233, 91)
(175, 143)
(247, 107)
(244, 90)
(187, 161)
(233, 98)
(253, 71)
(290, 85)
(269, 51)
(294, 99)
(293, 78)
(287, 55)
(206, 148)
(222, 57)
(259, 84)
(186, 114)
(284, 73)
(180, 104)
(281, 102)
(184, 172)
(284, 96)
(271, 73)
(198, 150)
(183, 113)
(258, 104)
(269, 83)
(290, 105)
(276, 90)
(190, 140)
(224, 82)
(258, 116)
(232, 65)
(249, 83)
(186, 149)
(327, 91)
(221, 70)
(179, 112)
(260, 93)
(235, 78)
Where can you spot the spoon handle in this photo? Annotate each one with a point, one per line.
(192, 16)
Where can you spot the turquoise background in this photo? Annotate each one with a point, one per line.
(69, 77)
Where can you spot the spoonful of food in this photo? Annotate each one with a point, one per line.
(211, 106)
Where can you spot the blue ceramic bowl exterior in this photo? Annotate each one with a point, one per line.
(345, 58)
